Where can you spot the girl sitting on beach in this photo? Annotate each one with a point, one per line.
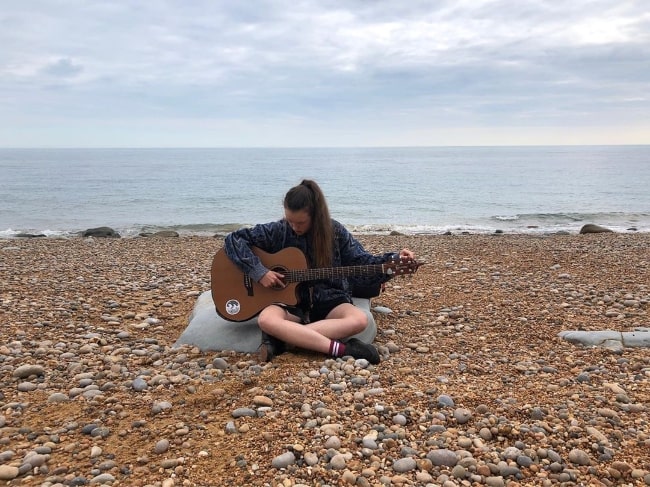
(325, 317)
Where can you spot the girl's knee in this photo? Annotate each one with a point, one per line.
(266, 319)
(360, 322)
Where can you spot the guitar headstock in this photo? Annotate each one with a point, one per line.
(402, 266)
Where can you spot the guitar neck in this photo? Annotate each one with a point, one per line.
(302, 275)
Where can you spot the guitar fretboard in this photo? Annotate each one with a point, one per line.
(302, 275)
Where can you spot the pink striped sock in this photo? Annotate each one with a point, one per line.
(337, 349)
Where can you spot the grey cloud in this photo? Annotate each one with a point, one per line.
(63, 67)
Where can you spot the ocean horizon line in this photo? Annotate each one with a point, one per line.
(320, 147)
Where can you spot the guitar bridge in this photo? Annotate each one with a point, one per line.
(248, 284)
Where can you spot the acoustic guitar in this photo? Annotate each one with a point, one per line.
(238, 298)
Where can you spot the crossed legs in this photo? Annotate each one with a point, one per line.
(341, 322)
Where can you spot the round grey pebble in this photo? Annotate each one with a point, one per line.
(8, 472)
(524, 461)
(485, 433)
(399, 419)
(404, 465)
(139, 384)
(230, 427)
(495, 482)
(509, 471)
(311, 458)
(27, 370)
(369, 442)
(87, 429)
(6, 455)
(241, 412)
(219, 363)
(161, 446)
(27, 387)
(382, 310)
(462, 415)
(58, 397)
(333, 442)
(445, 401)
(92, 393)
(459, 472)
(104, 478)
(107, 465)
(101, 432)
(169, 463)
(362, 363)
(511, 453)
(284, 460)
(443, 457)
(338, 462)
(537, 413)
(161, 406)
(579, 457)
(35, 459)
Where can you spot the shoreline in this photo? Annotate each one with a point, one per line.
(474, 386)
(533, 224)
(358, 230)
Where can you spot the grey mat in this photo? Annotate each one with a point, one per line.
(208, 331)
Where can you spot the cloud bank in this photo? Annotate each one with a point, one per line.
(323, 73)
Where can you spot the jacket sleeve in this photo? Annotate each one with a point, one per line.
(353, 253)
(238, 246)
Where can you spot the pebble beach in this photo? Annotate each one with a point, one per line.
(474, 388)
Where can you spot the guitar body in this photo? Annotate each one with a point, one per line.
(238, 298)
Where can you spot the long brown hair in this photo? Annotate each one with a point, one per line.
(308, 196)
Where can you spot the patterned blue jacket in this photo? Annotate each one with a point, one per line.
(275, 236)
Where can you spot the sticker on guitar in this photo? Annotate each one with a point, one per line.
(233, 307)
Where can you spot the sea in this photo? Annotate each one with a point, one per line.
(411, 190)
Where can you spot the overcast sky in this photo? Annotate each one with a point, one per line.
(290, 73)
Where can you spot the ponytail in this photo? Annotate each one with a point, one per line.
(309, 197)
